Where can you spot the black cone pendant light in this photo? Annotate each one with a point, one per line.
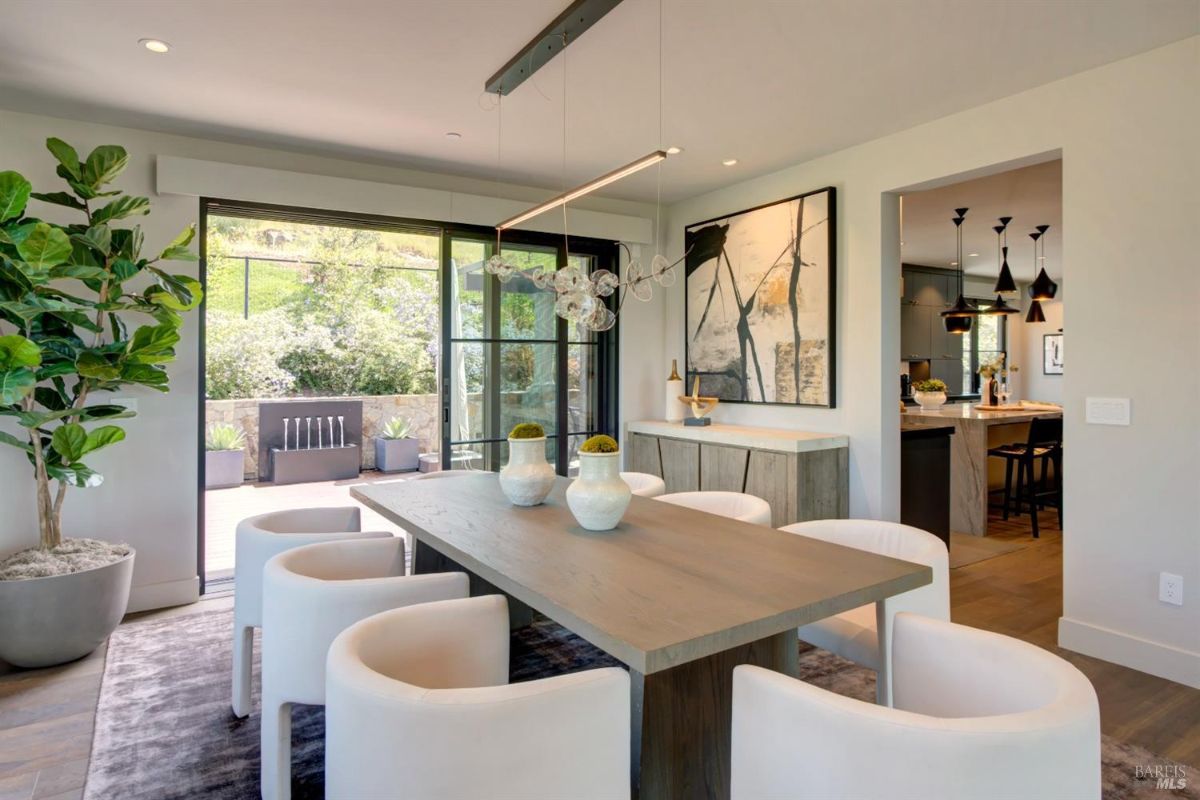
(1005, 283)
(1042, 287)
(999, 306)
(1036, 314)
(957, 318)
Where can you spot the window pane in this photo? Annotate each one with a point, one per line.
(581, 387)
(578, 333)
(528, 386)
(468, 405)
(527, 312)
(467, 280)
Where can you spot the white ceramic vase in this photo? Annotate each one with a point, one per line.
(598, 497)
(527, 477)
(930, 401)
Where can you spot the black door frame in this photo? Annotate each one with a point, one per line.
(607, 351)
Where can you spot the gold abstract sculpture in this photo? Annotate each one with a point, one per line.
(700, 405)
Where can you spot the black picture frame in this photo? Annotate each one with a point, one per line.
(831, 312)
(1052, 353)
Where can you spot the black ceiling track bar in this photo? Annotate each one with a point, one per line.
(566, 28)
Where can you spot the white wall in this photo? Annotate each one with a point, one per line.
(1035, 385)
(1130, 171)
(149, 497)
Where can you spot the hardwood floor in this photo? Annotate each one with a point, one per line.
(46, 716)
(1020, 594)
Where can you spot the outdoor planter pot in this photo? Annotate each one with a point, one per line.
(60, 618)
(397, 455)
(224, 468)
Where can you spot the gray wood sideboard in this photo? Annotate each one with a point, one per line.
(802, 475)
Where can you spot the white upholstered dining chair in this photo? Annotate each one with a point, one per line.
(856, 634)
(976, 715)
(735, 505)
(418, 704)
(310, 595)
(259, 538)
(643, 484)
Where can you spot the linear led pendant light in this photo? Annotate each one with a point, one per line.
(1005, 283)
(957, 318)
(587, 188)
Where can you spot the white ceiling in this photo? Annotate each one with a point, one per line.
(770, 83)
(1032, 196)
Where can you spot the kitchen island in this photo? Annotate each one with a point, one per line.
(974, 432)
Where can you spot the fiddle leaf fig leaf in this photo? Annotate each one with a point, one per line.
(102, 437)
(81, 271)
(16, 384)
(14, 194)
(122, 207)
(69, 441)
(91, 364)
(153, 344)
(8, 438)
(103, 165)
(177, 250)
(44, 247)
(66, 156)
(75, 475)
(17, 351)
(59, 199)
(98, 237)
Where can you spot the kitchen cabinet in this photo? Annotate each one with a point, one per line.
(915, 322)
(941, 343)
(948, 370)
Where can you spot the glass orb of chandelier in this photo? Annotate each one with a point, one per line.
(581, 298)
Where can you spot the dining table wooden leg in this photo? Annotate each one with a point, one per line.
(426, 559)
(681, 720)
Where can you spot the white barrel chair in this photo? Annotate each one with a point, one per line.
(735, 505)
(855, 634)
(977, 715)
(643, 484)
(417, 704)
(310, 595)
(257, 540)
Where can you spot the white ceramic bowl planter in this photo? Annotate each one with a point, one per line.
(598, 497)
(930, 401)
(527, 477)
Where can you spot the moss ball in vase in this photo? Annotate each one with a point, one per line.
(527, 478)
(599, 497)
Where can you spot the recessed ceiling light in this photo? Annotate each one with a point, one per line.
(954, 263)
(973, 255)
(729, 162)
(453, 135)
(674, 151)
(154, 45)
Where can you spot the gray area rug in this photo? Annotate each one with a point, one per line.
(164, 729)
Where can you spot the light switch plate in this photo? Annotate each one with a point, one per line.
(1108, 410)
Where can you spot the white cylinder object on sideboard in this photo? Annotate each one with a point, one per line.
(674, 408)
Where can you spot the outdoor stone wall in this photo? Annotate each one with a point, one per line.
(421, 411)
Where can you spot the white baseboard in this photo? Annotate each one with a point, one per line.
(1155, 658)
(163, 595)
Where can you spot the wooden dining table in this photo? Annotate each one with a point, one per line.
(679, 596)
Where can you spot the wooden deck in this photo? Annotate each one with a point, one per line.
(224, 508)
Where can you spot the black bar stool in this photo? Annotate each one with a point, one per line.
(1044, 444)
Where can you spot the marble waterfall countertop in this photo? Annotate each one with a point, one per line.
(777, 439)
(968, 411)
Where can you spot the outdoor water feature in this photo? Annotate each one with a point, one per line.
(326, 446)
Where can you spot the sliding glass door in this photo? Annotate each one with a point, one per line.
(508, 358)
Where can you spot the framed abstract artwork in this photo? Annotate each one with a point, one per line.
(1052, 354)
(760, 300)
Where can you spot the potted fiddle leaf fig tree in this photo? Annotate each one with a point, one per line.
(83, 314)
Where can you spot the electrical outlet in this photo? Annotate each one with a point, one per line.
(1170, 588)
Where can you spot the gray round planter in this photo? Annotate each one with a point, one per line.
(48, 621)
